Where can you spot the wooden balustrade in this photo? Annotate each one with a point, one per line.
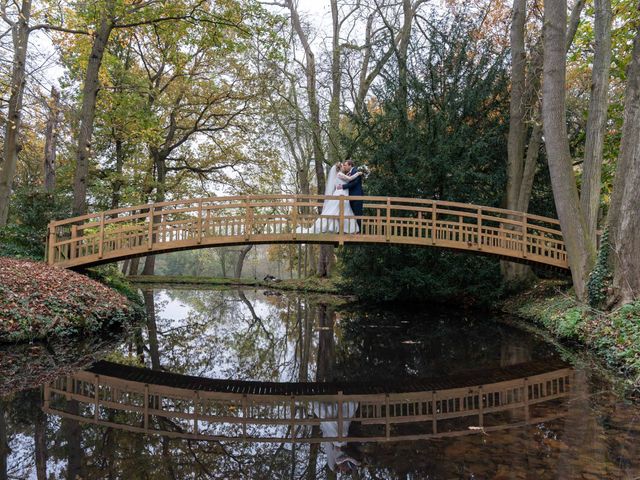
(201, 414)
(169, 226)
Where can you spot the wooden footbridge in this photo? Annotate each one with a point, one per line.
(210, 222)
(153, 402)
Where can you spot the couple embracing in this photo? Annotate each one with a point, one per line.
(343, 180)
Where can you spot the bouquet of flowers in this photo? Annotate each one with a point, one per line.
(364, 169)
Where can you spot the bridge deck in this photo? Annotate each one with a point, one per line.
(202, 384)
(170, 226)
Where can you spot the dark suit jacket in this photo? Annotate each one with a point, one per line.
(355, 185)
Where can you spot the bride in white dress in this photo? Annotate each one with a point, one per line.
(331, 208)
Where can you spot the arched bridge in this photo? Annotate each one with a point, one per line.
(154, 402)
(220, 221)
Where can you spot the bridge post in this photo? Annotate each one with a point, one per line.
(388, 229)
(434, 412)
(294, 217)
(434, 221)
(51, 247)
(387, 415)
(73, 244)
(340, 416)
(151, 212)
(96, 392)
(196, 411)
(480, 408)
(248, 224)
(101, 244)
(245, 414)
(341, 225)
(199, 222)
(146, 407)
(479, 228)
(524, 235)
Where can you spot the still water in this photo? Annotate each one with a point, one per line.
(315, 387)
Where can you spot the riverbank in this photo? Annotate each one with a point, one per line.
(612, 336)
(38, 302)
(309, 285)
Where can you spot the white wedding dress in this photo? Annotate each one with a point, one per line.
(331, 208)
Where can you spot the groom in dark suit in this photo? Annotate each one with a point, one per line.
(355, 189)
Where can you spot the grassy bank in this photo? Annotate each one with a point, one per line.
(38, 302)
(612, 336)
(311, 285)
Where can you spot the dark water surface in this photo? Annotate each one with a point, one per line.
(439, 394)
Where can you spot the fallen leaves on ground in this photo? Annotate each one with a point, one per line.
(38, 300)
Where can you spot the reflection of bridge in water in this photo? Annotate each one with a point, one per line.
(153, 402)
(210, 222)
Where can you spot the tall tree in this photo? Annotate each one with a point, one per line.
(51, 141)
(624, 216)
(20, 31)
(112, 15)
(90, 87)
(524, 119)
(594, 143)
(580, 250)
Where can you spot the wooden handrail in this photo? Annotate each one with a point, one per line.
(153, 228)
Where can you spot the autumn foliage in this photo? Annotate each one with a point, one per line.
(38, 301)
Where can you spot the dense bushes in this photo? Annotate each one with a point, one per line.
(450, 144)
(26, 234)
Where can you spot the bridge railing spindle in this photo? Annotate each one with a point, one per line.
(151, 213)
(101, 244)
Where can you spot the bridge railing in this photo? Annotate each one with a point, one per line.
(224, 416)
(166, 226)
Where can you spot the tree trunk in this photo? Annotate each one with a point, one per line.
(517, 126)
(514, 273)
(117, 182)
(125, 266)
(336, 83)
(240, 262)
(222, 254)
(149, 265)
(73, 436)
(596, 122)
(159, 162)
(152, 328)
(40, 442)
(87, 114)
(580, 252)
(20, 33)
(624, 216)
(134, 265)
(402, 52)
(4, 442)
(521, 167)
(326, 251)
(51, 142)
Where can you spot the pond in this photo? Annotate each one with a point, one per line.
(308, 387)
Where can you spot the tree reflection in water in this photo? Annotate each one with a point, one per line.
(252, 336)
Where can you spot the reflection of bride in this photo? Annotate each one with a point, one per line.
(331, 208)
(337, 459)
